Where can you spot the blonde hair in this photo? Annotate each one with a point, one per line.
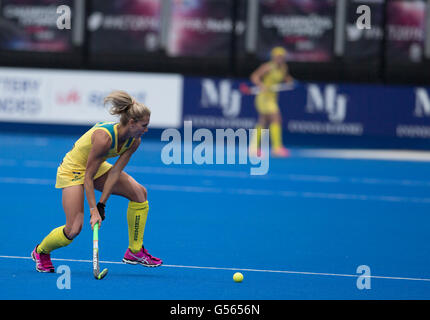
(278, 51)
(126, 107)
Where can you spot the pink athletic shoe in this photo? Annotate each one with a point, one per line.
(142, 257)
(281, 152)
(43, 261)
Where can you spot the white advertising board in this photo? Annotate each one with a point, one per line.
(76, 97)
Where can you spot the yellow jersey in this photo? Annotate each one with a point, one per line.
(274, 77)
(72, 169)
(266, 101)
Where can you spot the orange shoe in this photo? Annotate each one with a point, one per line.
(256, 153)
(280, 152)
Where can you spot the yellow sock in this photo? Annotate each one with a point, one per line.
(137, 214)
(256, 138)
(54, 240)
(276, 134)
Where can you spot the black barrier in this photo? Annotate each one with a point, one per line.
(39, 33)
(305, 29)
(223, 38)
(405, 41)
(124, 27)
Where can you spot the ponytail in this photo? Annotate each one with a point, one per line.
(126, 107)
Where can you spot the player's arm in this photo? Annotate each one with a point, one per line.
(288, 77)
(257, 75)
(116, 170)
(101, 143)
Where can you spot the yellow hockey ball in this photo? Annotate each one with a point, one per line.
(238, 277)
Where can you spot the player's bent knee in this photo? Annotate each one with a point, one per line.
(140, 194)
(73, 231)
(143, 193)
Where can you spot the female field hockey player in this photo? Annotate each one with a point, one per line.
(84, 169)
(266, 76)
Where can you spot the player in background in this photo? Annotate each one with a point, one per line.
(266, 77)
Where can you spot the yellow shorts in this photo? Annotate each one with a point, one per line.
(67, 178)
(266, 105)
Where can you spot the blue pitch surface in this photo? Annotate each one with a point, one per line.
(299, 232)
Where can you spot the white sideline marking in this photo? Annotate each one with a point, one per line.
(249, 192)
(175, 171)
(241, 269)
(359, 154)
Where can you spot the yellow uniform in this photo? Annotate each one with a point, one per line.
(72, 170)
(266, 102)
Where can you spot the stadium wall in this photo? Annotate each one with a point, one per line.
(314, 114)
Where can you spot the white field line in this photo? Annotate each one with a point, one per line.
(249, 192)
(367, 154)
(240, 269)
(175, 171)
